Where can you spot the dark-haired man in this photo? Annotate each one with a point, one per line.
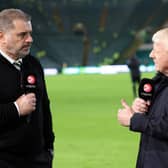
(26, 134)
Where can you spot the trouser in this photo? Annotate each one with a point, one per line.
(42, 160)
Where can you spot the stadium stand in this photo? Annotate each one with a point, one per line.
(114, 29)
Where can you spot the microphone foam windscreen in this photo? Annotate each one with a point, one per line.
(146, 89)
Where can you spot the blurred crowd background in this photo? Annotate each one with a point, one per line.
(92, 32)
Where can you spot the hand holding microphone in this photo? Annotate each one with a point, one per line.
(146, 90)
(140, 105)
(26, 104)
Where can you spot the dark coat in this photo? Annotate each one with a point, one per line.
(153, 126)
(23, 135)
(134, 67)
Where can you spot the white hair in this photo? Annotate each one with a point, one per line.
(161, 37)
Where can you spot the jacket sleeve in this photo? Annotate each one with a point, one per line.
(8, 114)
(48, 125)
(154, 125)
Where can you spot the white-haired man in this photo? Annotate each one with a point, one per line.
(150, 118)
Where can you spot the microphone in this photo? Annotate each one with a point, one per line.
(29, 86)
(30, 83)
(146, 89)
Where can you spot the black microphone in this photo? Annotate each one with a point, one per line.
(30, 83)
(29, 86)
(146, 89)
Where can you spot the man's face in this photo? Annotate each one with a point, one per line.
(159, 54)
(17, 41)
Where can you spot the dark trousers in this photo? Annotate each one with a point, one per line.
(42, 160)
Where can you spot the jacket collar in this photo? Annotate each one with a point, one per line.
(9, 59)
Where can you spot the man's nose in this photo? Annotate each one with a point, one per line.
(29, 38)
(151, 54)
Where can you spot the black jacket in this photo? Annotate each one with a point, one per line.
(134, 66)
(153, 126)
(30, 134)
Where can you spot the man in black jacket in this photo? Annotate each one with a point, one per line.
(135, 73)
(150, 118)
(26, 134)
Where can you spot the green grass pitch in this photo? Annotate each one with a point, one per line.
(84, 109)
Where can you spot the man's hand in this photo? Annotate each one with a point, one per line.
(140, 106)
(26, 104)
(125, 114)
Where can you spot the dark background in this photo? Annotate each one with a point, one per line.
(92, 32)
